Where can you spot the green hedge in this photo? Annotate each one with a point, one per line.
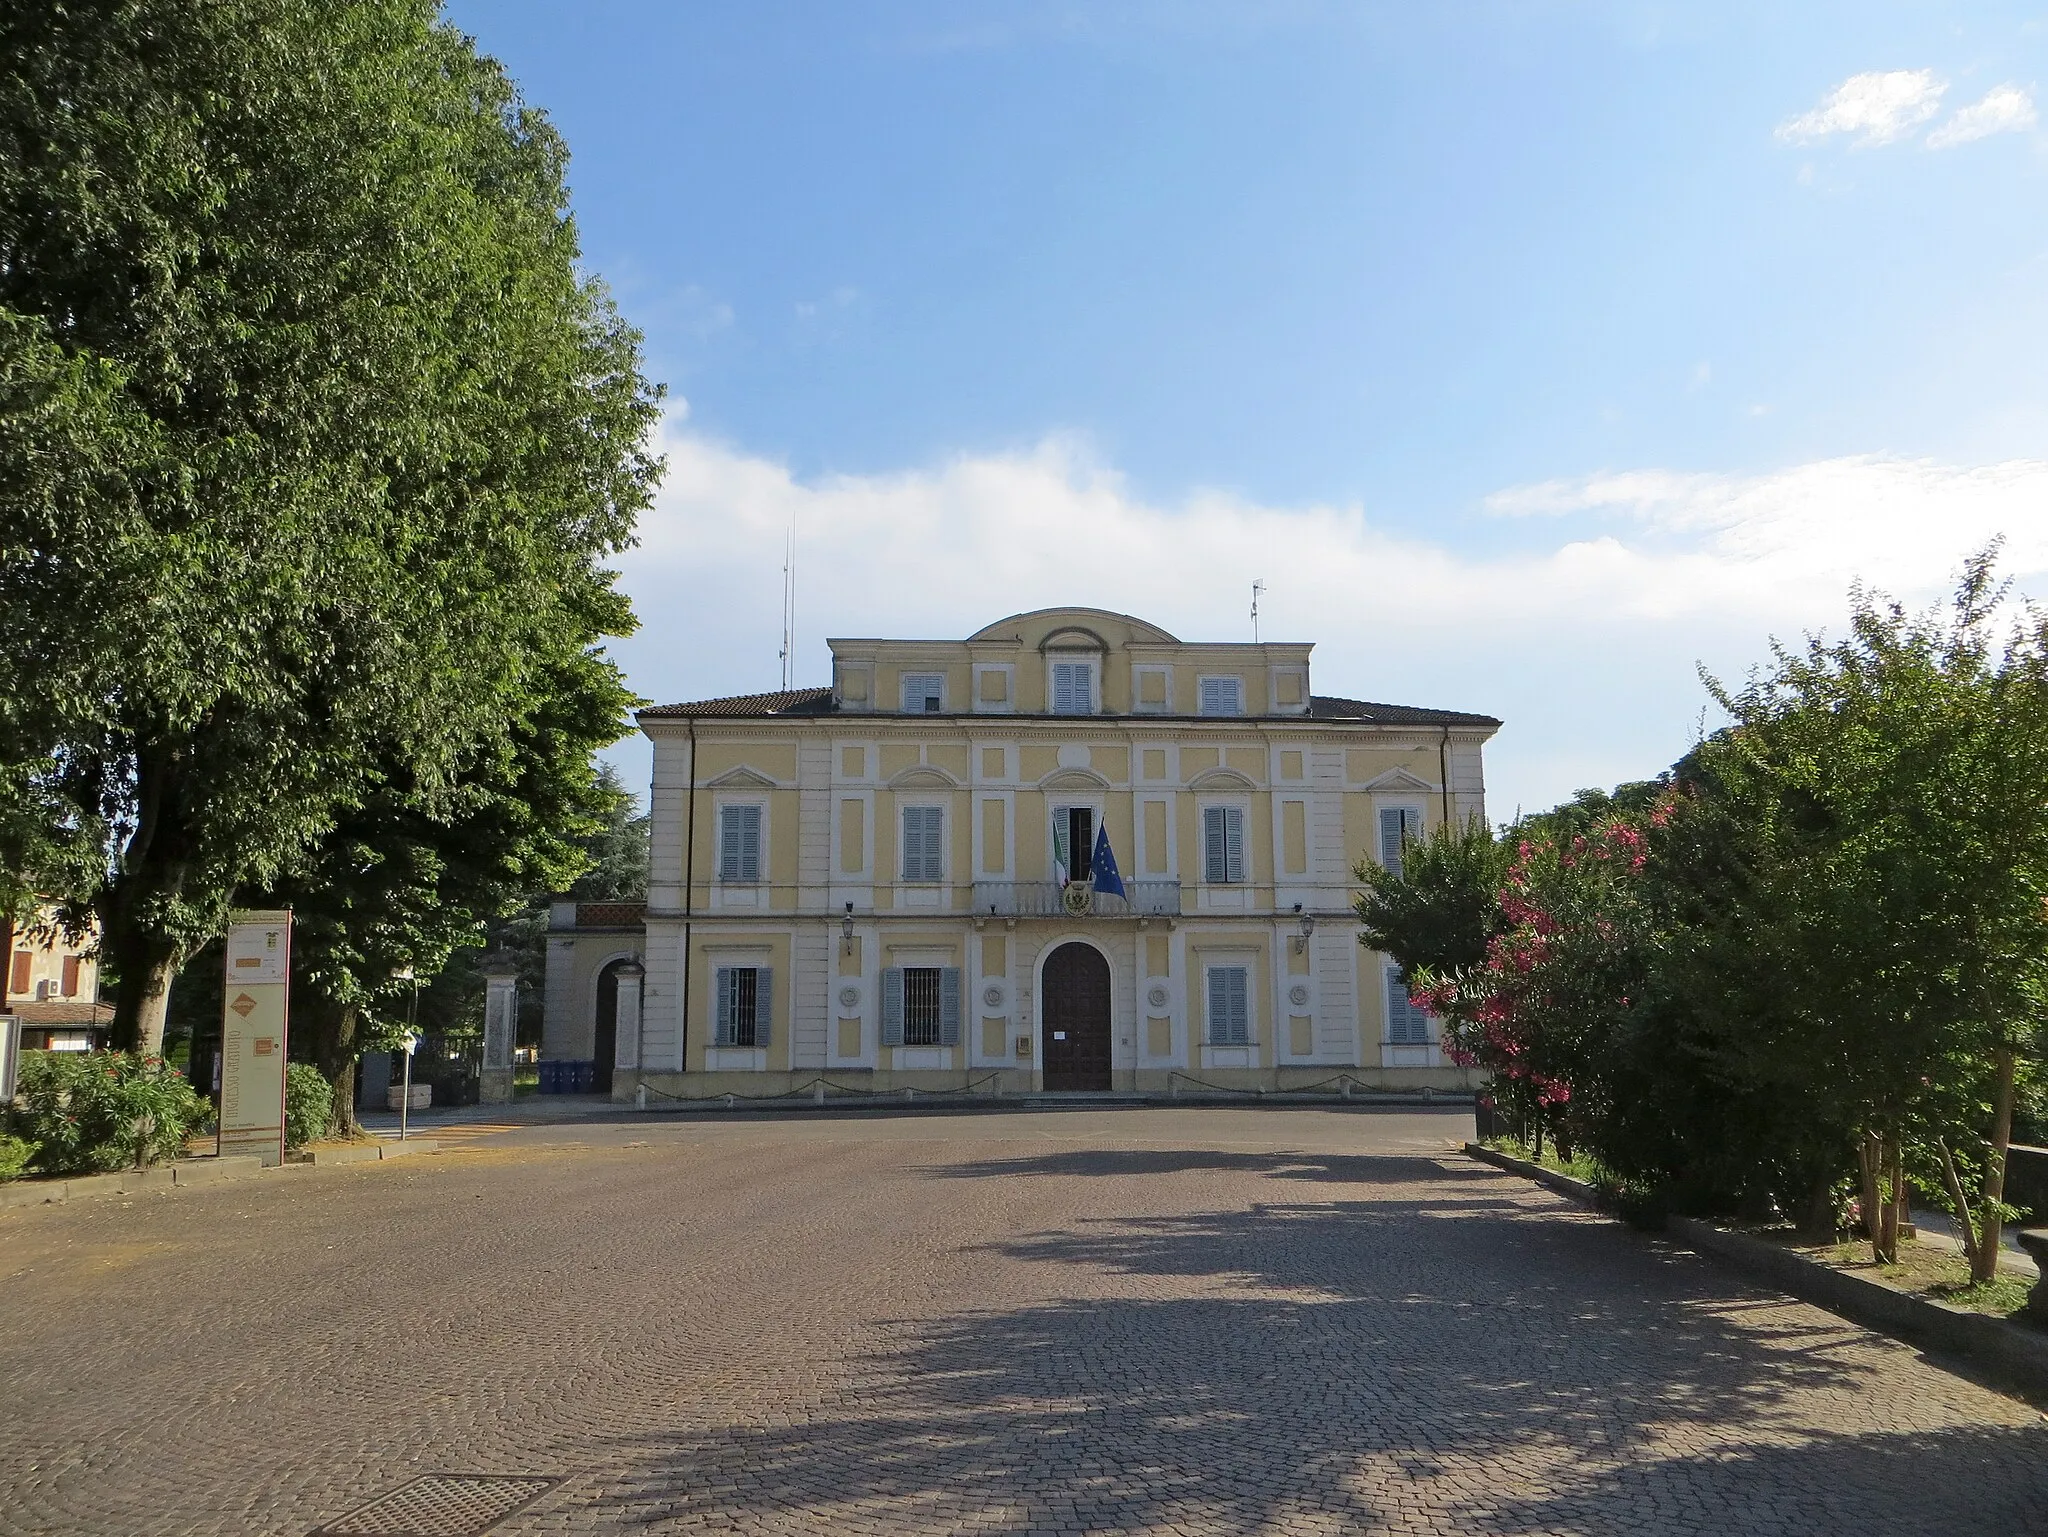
(94, 1112)
(308, 1105)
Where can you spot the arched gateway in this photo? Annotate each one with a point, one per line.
(1075, 988)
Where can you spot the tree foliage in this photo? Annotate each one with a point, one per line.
(1816, 954)
(313, 439)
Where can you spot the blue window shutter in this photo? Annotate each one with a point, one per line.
(728, 843)
(949, 1006)
(750, 843)
(1233, 826)
(721, 988)
(764, 1004)
(892, 1006)
(1215, 858)
(1393, 827)
(1406, 1024)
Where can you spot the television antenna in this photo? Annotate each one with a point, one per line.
(787, 654)
(1258, 587)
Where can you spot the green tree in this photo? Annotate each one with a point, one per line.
(1893, 783)
(405, 881)
(313, 439)
(1435, 913)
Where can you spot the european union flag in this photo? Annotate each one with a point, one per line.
(1103, 864)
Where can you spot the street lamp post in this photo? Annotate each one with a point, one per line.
(412, 1041)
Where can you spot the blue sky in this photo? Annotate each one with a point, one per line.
(1533, 353)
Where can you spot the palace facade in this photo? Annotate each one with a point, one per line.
(1068, 853)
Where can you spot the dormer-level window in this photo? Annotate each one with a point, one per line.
(1222, 696)
(924, 693)
(1073, 688)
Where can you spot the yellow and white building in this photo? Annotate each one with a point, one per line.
(859, 885)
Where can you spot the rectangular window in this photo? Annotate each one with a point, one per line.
(1397, 825)
(921, 1006)
(1075, 827)
(1406, 1024)
(1230, 1012)
(1222, 696)
(1222, 845)
(739, 843)
(924, 855)
(924, 693)
(1073, 688)
(744, 1006)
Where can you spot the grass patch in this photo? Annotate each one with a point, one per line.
(1923, 1270)
(1578, 1167)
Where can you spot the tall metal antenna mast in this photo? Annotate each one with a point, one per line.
(1258, 587)
(788, 653)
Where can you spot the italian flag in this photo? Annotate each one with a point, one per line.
(1060, 862)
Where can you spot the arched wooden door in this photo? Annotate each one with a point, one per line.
(1074, 988)
(604, 1049)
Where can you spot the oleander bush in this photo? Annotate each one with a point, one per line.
(94, 1112)
(15, 1153)
(308, 1104)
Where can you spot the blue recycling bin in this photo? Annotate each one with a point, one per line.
(586, 1074)
(551, 1077)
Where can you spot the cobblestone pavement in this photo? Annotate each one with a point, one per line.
(1156, 1320)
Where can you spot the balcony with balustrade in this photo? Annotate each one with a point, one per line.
(1048, 899)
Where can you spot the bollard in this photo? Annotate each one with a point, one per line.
(730, 1101)
(818, 1093)
(640, 1097)
(909, 1095)
(1347, 1088)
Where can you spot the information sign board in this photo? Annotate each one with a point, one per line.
(255, 1012)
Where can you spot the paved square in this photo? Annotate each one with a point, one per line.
(1165, 1320)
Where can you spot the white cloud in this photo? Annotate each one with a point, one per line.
(1584, 639)
(2004, 109)
(1879, 106)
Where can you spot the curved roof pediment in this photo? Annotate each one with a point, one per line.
(1090, 622)
(1221, 779)
(924, 776)
(1073, 779)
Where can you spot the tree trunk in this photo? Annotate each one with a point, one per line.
(1893, 1197)
(326, 1033)
(151, 882)
(147, 964)
(1817, 1216)
(340, 1067)
(1990, 1231)
(1869, 1165)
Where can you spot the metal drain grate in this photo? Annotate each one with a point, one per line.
(440, 1505)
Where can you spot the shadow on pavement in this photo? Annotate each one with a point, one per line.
(1460, 1361)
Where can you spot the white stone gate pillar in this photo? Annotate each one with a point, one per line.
(626, 1059)
(501, 1027)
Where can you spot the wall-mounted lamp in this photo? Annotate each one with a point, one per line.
(846, 929)
(1308, 927)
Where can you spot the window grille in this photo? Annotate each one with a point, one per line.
(921, 1006)
(745, 1006)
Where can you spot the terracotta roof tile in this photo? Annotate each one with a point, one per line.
(795, 701)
